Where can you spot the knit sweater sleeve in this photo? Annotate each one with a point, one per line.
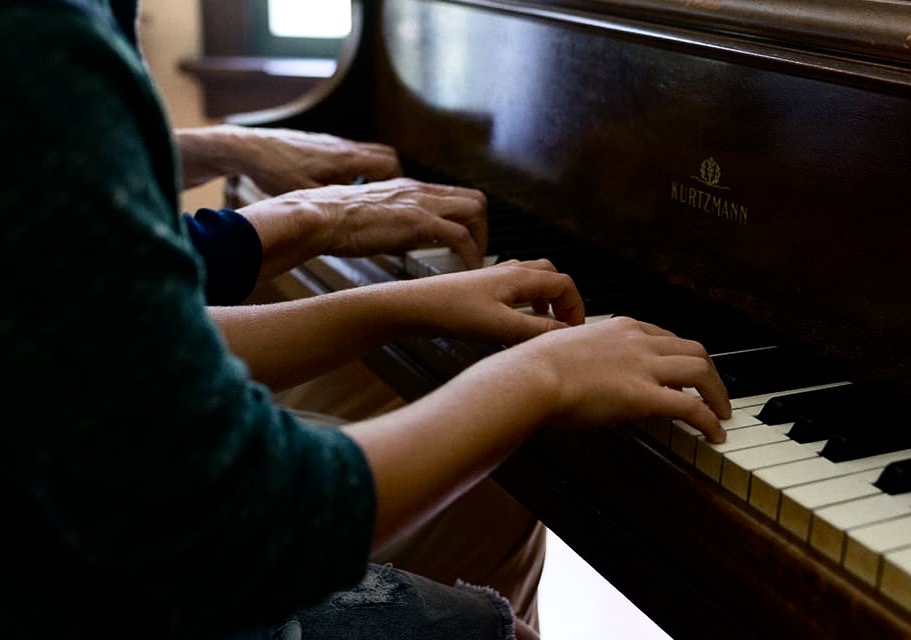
(158, 463)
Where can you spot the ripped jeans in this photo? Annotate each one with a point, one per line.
(390, 604)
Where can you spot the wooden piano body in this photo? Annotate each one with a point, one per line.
(756, 153)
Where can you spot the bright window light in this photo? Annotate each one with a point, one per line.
(310, 18)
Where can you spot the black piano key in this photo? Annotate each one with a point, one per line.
(839, 447)
(846, 417)
(895, 478)
(858, 412)
(822, 425)
(768, 370)
(788, 408)
(862, 429)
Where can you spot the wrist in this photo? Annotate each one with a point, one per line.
(291, 232)
(540, 382)
(224, 148)
(419, 307)
(206, 153)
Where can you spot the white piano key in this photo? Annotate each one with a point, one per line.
(424, 262)
(709, 457)
(659, 431)
(866, 545)
(683, 440)
(683, 437)
(739, 420)
(766, 484)
(640, 425)
(420, 263)
(895, 581)
(798, 503)
(830, 525)
(529, 310)
(738, 466)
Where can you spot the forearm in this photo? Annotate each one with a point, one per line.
(429, 453)
(291, 231)
(288, 343)
(285, 344)
(207, 153)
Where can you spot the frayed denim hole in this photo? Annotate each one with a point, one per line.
(380, 586)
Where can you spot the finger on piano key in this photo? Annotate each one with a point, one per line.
(799, 503)
(709, 457)
(866, 547)
(738, 466)
(745, 454)
(588, 319)
(830, 525)
(682, 438)
(661, 430)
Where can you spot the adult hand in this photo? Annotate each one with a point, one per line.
(281, 160)
(400, 214)
(363, 220)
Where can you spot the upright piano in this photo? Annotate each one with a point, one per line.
(737, 171)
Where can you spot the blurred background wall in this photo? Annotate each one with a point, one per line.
(170, 31)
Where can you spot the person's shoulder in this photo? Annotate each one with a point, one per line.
(39, 30)
(69, 50)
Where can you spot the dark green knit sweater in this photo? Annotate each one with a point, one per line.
(143, 477)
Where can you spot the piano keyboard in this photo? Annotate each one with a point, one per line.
(806, 448)
(834, 506)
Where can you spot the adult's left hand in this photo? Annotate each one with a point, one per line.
(281, 160)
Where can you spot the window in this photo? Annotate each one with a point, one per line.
(261, 53)
(310, 18)
(301, 28)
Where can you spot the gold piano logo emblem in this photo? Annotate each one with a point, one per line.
(710, 173)
(710, 201)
